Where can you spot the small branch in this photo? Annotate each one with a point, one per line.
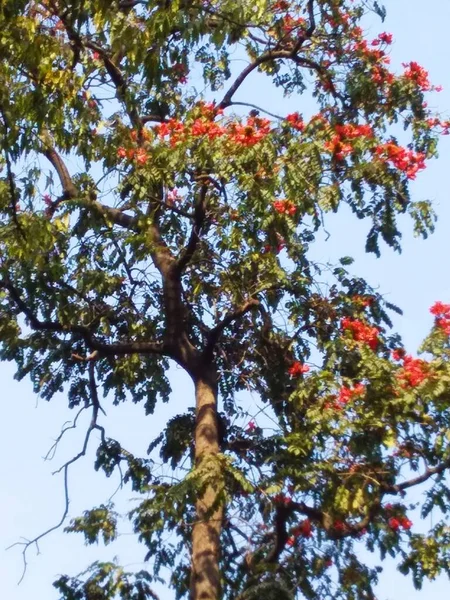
(199, 219)
(216, 332)
(52, 451)
(429, 472)
(263, 110)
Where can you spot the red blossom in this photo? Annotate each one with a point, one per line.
(415, 371)
(405, 160)
(249, 133)
(440, 309)
(173, 196)
(383, 38)
(414, 72)
(347, 394)
(303, 529)
(121, 152)
(361, 332)
(285, 206)
(290, 24)
(405, 523)
(297, 369)
(339, 526)
(290, 541)
(251, 427)
(398, 354)
(141, 156)
(295, 120)
(394, 524)
(282, 499)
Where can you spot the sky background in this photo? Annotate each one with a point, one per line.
(31, 499)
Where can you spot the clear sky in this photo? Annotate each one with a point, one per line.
(32, 499)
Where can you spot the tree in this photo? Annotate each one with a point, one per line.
(182, 235)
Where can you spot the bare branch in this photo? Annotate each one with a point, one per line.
(65, 468)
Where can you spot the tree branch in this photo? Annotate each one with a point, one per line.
(65, 468)
(104, 349)
(199, 219)
(429, 472)
(216, 332)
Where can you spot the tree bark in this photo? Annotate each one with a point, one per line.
(205, 573)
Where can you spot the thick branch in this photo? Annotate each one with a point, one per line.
(119, 348)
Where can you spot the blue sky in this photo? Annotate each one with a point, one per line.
(32, 499)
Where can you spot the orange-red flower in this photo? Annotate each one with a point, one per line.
(297, 369)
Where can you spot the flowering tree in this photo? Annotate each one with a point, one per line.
(182, 235)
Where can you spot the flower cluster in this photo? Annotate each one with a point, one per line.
(285, 207)
(436, 122)
(383, 38)
(339, 144)
(173, 196)
(139, 155)
(289, 24)
(303, 529)
(414, 372)
(298, 368)
(295, 120)
(249, 133)
(347, 394)
(361, 332)
(251, 427)
(396, 522)
(405, 160)
(414, 72)
(442, 313)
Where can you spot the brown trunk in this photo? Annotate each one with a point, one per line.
(205, 574)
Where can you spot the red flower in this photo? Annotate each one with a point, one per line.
(414, 72)
(394, 524)
(404, 160)
(385, 38)
(251, 427)
(405, 523)
(291, 541)
(303, 529)
(440, 309)
(339, 526)
(141, 156)
(362, 332)
(285, 206)
(282, 499)
(298, 368)
(121, 152)
(414, 372)
(173, 196)
(347, 394)
(398, 354)
(295, 120)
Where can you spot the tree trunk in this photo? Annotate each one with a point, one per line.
(205, 574)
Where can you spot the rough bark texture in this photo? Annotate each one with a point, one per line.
(205, 576)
